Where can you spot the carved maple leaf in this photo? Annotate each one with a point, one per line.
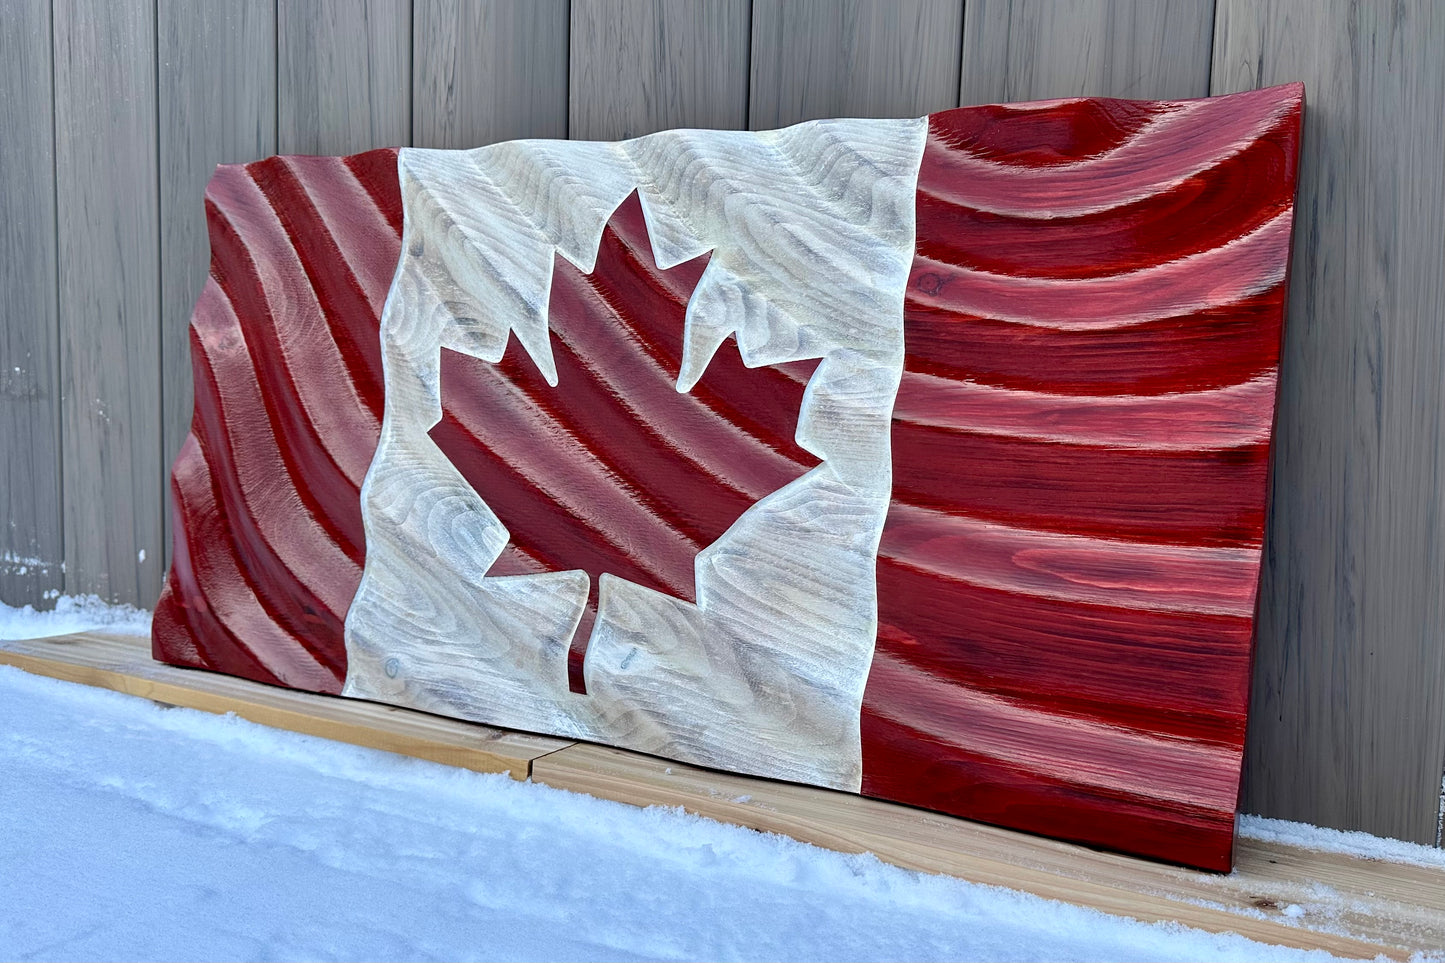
(614, 469)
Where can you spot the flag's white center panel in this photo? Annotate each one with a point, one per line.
(811, 231)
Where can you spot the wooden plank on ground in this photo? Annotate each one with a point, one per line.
(490, 72)
(1374, 914)
(109, 297)
(343, 75)
(1037, 49)
(217, 106)
(1347, 726)
(124, 664)
(639, 66)
(30, 524)
(1278, 893)
(859, 58)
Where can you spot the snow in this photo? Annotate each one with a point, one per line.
(135, 831)
(1338, 841)
(72, 613)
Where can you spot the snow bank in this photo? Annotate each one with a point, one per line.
(1338, 841)
(72, 613)
(135, 831)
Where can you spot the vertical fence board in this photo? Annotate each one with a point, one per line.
(1038, 49)
(1348, 720)
(639, 66)
(343, 75)
(858, 58)
(109, 297)
(30, 524)
(483, 73)
(217, 97)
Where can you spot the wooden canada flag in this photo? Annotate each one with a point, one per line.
(925, 458)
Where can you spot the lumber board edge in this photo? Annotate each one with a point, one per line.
(123, 664)
(1369, 908)
(929, 842)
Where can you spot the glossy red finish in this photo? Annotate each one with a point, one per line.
(646, 476)
(1067, 576)
(1080, 450)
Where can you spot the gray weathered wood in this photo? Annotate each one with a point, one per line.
(639, 66)
(30, 523)
(1040, 49)
(343, 74)
(109, 296)
(217, 99)
(483, 73)
(1348, 724)
(858, 58)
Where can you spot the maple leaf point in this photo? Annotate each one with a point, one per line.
(618, 469)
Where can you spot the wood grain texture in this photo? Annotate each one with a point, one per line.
(109, 270)
(123, 664)
(1067, 578)
(31, 541)
(1015, 50)
(639, 66)
(1065, 584)
(1352, 907)
(858, 58)
(1348, 725)
(268, 541)
(488, 72)
(680, 468)
(343, 75)
(764, 673)
(217, 106)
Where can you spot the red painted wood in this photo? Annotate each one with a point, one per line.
(647, 476)
(1067, 576)
(287, 361)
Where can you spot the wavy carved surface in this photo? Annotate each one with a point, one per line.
(265, 494)
(1081, 443)
(644, 407)
(652, 475)
(625, 444)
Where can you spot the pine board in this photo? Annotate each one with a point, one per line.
(1347, 726)
(123, 664)
(1352, 907)
(1380, 909)
(30, 518)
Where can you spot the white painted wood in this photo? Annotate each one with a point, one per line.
(765, 673)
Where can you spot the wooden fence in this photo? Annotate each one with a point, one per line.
(113, 112)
